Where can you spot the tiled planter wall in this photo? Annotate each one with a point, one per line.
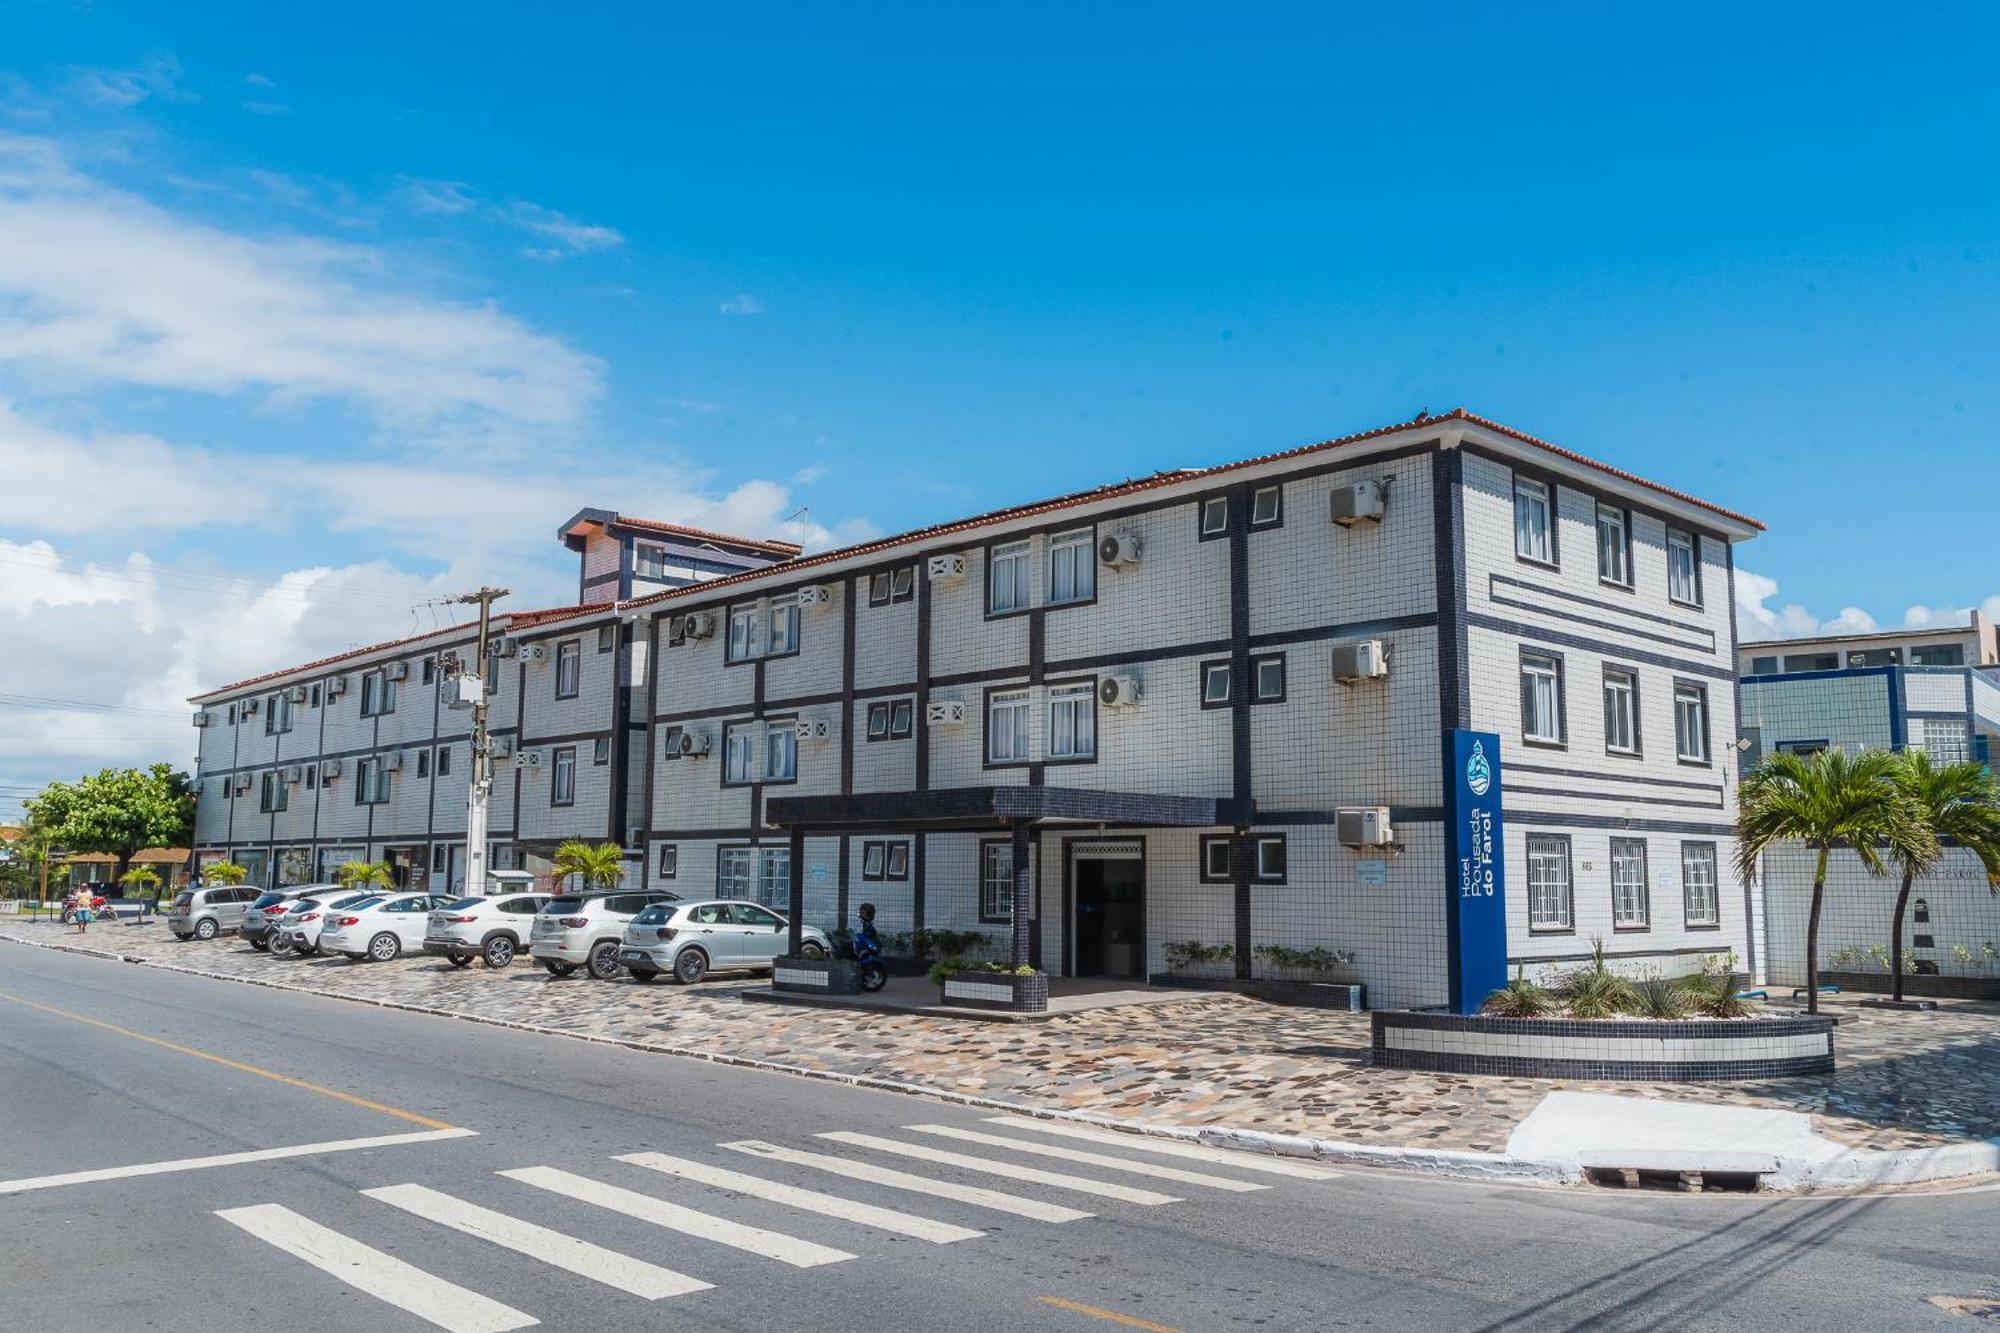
(997, 990)
(816, 976)
(1351, 996)
(1685, 1051)
(1914, 983)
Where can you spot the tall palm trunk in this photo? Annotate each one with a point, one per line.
(1812, 936)
(1896, 938)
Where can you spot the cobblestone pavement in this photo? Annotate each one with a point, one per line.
(1905, 1079)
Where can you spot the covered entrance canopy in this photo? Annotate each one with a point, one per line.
(1015, 808)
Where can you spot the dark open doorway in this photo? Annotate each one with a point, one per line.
(1110, 917)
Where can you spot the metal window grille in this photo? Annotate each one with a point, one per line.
(1629, 906)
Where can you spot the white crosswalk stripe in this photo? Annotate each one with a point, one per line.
(890, 1178)
(688, 1221)
(1105, 1160)
(1011, 1170)
(1192, 1152)
(389, 1279)
(811, 1201)
(580, 1257)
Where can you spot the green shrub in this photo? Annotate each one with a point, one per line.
(948, 967)
(1520, 998)
(1315, 959)
(1594, 990)
(1714, 997)
(930, 943)
(1184, 954)
(1656, 997)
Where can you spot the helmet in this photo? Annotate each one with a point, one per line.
(867, 911)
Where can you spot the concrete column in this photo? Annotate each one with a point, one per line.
(1019, 830)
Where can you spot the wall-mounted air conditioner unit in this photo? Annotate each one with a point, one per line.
(531, 759)
(505, 646)
(336, 686)
(947, 566)
(500, 746)
(945, 713)
(295, 775)
(1366, 660)
(392, 762)
(1118, 549)
(1360, 502)
(298, 694)
(397, 671)
(818, 595)
(812, 728)
(1364, 826)
(1119, 691)
(695, 744)
(329, 770)
(247, 707)
(698, 624)
(242, 783)
(203, 719)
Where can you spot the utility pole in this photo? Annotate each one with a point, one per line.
(479, 789)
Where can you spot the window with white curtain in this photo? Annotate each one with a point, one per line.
(1007, 578)
(1007, 727)
(1541, 698)
(784, 636)
(743, 640)
(1691, 723)
(1532, 521)
(739, 753)
(1073, 722)
(1683, 568)
(781, 752)
(1621, 711)
(1614, 546)
(1073, 566)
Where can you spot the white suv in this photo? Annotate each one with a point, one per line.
(585, 930)
(493, 929)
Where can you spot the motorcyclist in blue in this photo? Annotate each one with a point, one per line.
(867, 944)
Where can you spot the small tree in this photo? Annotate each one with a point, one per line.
(140, 880)
(364, 875)
(599, 867)
(224, 872)
(1959, 803)
(118, 811)
(1827, 800)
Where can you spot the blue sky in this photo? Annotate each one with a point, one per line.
(338, 309)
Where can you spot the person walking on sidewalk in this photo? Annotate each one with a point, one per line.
(84, 902)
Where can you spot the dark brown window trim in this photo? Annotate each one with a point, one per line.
(1515, 473)
(1284, 679)
(1201, 683)
(986, 577)
(1211, 839)
(1202, 531)
(1269, 524)
(1562, 699)
(1707, 724)
(1638, 750)
(984, 843)
(1631, 580)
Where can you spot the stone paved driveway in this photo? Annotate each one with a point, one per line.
(1905, 1080)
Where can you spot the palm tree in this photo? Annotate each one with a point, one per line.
(224, 872)
(1827, 800)
(142, 878)
(599, 867)
(1959, 803)
(365, 875)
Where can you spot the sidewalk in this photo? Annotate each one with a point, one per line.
(1217, 1062)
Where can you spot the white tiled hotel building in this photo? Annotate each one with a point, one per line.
(1163, 644)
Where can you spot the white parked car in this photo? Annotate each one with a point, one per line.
(586, 930)
(688, 940)
(379, 928)
(491, 929)
(299, 928)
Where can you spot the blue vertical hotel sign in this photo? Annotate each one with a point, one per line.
(1476, 921)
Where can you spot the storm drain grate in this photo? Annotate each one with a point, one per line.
(1680, 1182)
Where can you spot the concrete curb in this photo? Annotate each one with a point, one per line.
(1852, 1170)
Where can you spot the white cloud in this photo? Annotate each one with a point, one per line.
(158, 77)
(98, 285)
(257, 108)
(260, 80)
(563, 235)
(743, 303)
(809, 474)
(1757, 618)
(436, 197)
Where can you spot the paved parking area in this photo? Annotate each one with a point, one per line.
(1905, 1080)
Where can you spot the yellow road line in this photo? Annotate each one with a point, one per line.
(237, 1065)
(1077, 1307)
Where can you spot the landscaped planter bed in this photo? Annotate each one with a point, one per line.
(1351, 996)
(816, 976)
(1928, 985)
(996, 990)
(1695, 1050)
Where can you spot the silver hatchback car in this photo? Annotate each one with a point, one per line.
(586, 929)
(202, 914)
(688, 940)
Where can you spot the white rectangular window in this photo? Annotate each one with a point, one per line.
(1548, 882)
(1215, 516)
(650, 562)
(1007, 578)
(1266, 506)
(1691, 723)
(996, 881)
(1215, 683)
(670, 860)
(1215, 853)
(874, 858)
(1698, 876)
(1683, 570)
(781, 753)
(1007, 727)
(1073, 566)
(1532, 538)
(1541, 698)
(1073, 722)
(739, 754)
(1271, 859)
(784, 637)
(1269, 675)
(735, 872)
(1621, 712)
(878, 722)
(1630, 908)
(1614, 546)
(743, 643)
(774, 878)
(562, 781)
(569, 669)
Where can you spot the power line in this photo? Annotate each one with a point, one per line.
(80, 705)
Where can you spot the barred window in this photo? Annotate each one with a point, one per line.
(996, 881)
(1548, 882)
(1704, 904)
(733, 872)
(1630, 907)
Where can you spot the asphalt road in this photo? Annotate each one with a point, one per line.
(106, 1065)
